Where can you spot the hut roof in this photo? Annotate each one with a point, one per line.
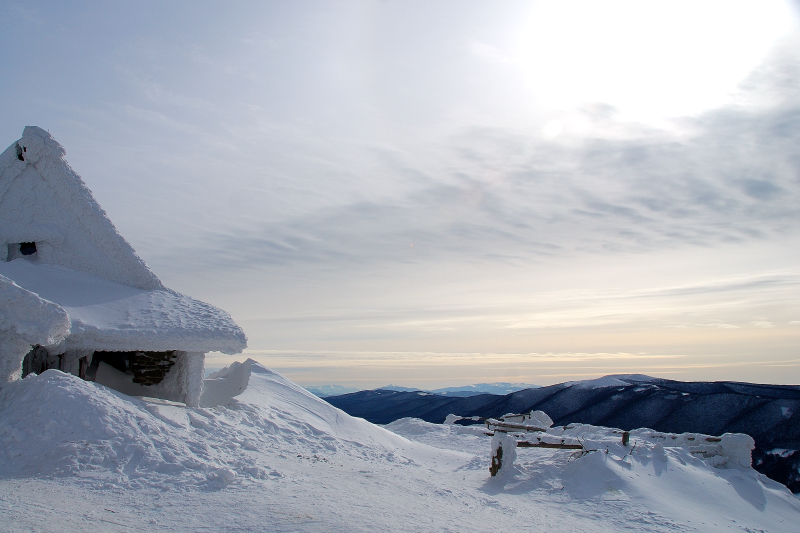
(84, 269)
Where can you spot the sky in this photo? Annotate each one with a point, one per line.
(434, 194)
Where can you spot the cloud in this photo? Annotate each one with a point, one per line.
(493, 194)
(430, 369)
(383, 176)
(291, 161)
(763, 282)
(711, 325)
(489, 52)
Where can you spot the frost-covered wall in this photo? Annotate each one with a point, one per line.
(25, 320)
(183, 383)
(43, 200)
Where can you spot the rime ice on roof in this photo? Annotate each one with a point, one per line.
(75, 296)
(25, 314)
(43, 201)
(114, 317)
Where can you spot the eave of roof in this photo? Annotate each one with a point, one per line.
(29, 317)
(110, 316)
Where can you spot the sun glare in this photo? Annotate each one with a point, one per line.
(650, 61)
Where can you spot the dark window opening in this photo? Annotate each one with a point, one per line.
(118, 360)
(27, 248)
(147, 368)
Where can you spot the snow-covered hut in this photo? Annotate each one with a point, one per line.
(75, 296)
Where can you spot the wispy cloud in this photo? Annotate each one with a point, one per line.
(723, 184)
(369, 369)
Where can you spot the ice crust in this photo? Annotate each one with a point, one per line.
(730, 449)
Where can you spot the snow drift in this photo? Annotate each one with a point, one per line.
(57, 424)
(76, 454)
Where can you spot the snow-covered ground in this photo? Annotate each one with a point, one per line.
(77, 456)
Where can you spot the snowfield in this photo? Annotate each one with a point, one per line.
(78, 456)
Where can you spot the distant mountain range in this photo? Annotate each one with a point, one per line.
(768, 413)
(470, 390)
(324, 391)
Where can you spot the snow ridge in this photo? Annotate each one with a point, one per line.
(613, 380)
(56, 425)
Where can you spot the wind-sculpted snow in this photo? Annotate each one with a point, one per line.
(77, 456)
(663, 475)
(287, 401)
(56, 424)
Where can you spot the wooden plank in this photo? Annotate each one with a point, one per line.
(556, 446)
(516, 427)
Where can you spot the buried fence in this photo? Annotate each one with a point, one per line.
(535, 430)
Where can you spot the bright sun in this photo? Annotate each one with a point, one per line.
(649, 60)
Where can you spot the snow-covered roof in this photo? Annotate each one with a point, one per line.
(115, 317)
(27, 315)
(84, 272)
(43, 200)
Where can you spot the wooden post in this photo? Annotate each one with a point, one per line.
(497, 461)
(626, 437)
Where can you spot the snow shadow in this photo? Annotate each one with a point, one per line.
(582, 478)
(747, 487)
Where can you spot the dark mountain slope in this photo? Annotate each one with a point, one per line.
(768, 413)
(384, 406)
